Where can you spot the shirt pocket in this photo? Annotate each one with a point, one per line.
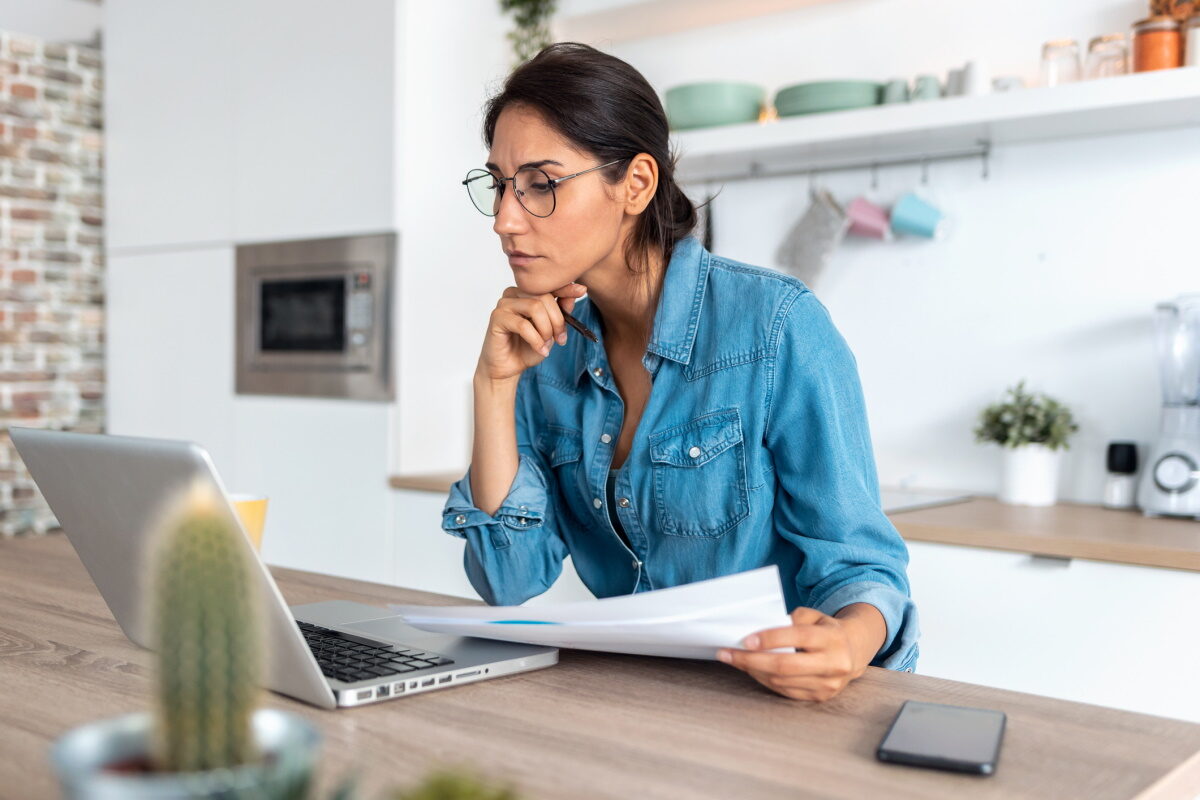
(562, 449)
(700, 475)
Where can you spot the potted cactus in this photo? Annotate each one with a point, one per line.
(204, 737)
(1032, 429)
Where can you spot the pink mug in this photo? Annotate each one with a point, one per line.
(868, 219)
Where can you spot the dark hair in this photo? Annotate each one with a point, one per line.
(604, 106)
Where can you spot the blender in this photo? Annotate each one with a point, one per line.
(1170, 483)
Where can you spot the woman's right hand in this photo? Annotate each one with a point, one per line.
(523, 328)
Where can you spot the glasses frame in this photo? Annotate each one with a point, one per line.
(499, 187)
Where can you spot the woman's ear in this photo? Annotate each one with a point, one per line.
(641, 181)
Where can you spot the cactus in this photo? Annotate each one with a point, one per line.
(207, 632)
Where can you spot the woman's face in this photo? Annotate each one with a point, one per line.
(585, 227)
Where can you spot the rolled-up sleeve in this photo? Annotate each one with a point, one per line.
(515, 553)
(827, 499)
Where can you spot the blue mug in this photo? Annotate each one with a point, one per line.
(916, 217)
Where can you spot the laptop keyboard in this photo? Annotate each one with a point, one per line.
(349, 658)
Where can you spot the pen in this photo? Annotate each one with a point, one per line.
(579, 326)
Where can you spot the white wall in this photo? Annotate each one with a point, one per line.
(53, 20)
(1052, 272)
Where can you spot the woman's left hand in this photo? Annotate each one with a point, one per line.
(833, 652)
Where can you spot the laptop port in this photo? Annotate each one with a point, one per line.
(365, 694)
(468, 674)
(383, 691)
(445, 679)
(398, 688)
(428, 682)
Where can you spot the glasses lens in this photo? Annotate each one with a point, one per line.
(535, 191)
(481, 185)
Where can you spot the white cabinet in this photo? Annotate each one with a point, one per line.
(239, 122)
(321, 464)
(169, 333)
(431, 560)
(1095, 632)
(168, 74)
(314, 109)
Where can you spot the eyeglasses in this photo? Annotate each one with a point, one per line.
(533, 187)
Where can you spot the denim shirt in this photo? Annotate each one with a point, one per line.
(753, 449)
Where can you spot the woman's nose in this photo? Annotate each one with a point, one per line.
(510, 217)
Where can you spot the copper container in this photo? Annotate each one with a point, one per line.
(1157, 44)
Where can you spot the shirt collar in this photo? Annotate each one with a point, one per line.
(677, 314)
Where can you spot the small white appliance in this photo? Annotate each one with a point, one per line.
(1170, 482)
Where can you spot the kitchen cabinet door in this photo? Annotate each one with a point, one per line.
(1094, 632)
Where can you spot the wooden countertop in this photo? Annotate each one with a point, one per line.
(595, 725)
(1071, 530)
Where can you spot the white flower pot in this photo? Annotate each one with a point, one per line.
(1029, 475)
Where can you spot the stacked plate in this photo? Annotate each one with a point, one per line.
(702, 105)
(821, 96)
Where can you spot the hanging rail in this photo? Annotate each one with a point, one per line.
(982, 151)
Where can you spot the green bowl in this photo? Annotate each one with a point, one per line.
(703, 105)
(822, 96)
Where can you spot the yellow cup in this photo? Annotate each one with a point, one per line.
(252, 509)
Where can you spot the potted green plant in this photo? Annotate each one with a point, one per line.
(532, 31)
(1032, 429)
(204, 738)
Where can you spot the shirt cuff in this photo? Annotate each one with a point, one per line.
(524, 507)
(899, 650)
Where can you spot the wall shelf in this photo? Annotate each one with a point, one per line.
(944, 128)
(614, 21)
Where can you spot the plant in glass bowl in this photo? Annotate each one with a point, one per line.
(204, 737)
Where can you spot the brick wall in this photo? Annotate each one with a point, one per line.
(51, 255)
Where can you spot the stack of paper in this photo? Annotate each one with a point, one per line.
(690, 621)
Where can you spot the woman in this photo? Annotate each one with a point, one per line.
(718, 424)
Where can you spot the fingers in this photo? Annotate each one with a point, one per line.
(572, 290)
(788, 664)
(528, 333)
(802, 635)
(554, 313)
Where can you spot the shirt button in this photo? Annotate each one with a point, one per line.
(598, 503)
(598, 372)
(637, 565)
(460, 519)
(523, 508)
(694, 452)
(623, 502)
(606, 438)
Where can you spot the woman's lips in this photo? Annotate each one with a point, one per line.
(521, 260)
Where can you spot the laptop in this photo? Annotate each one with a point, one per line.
(107, 490)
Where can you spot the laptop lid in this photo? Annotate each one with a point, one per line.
(107, 491)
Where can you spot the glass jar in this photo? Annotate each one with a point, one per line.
(1107, 56)
(1157, 44)
(1191, 41)
(1060, 62)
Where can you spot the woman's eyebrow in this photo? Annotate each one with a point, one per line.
(541, 163)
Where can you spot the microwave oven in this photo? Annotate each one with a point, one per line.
(314, 317)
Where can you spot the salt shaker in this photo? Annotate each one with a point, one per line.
(1120, 487)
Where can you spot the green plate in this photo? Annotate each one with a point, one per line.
(821, 96)
(703, 105)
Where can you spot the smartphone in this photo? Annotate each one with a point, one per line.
(944, 737)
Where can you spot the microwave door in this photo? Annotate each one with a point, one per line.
(303, 317)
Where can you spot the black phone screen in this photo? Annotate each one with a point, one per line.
(946, 737)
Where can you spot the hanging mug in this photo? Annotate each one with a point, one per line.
(916, 216)
(868, 219)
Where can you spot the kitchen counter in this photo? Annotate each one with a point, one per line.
(595, 725)
(1065, 530)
